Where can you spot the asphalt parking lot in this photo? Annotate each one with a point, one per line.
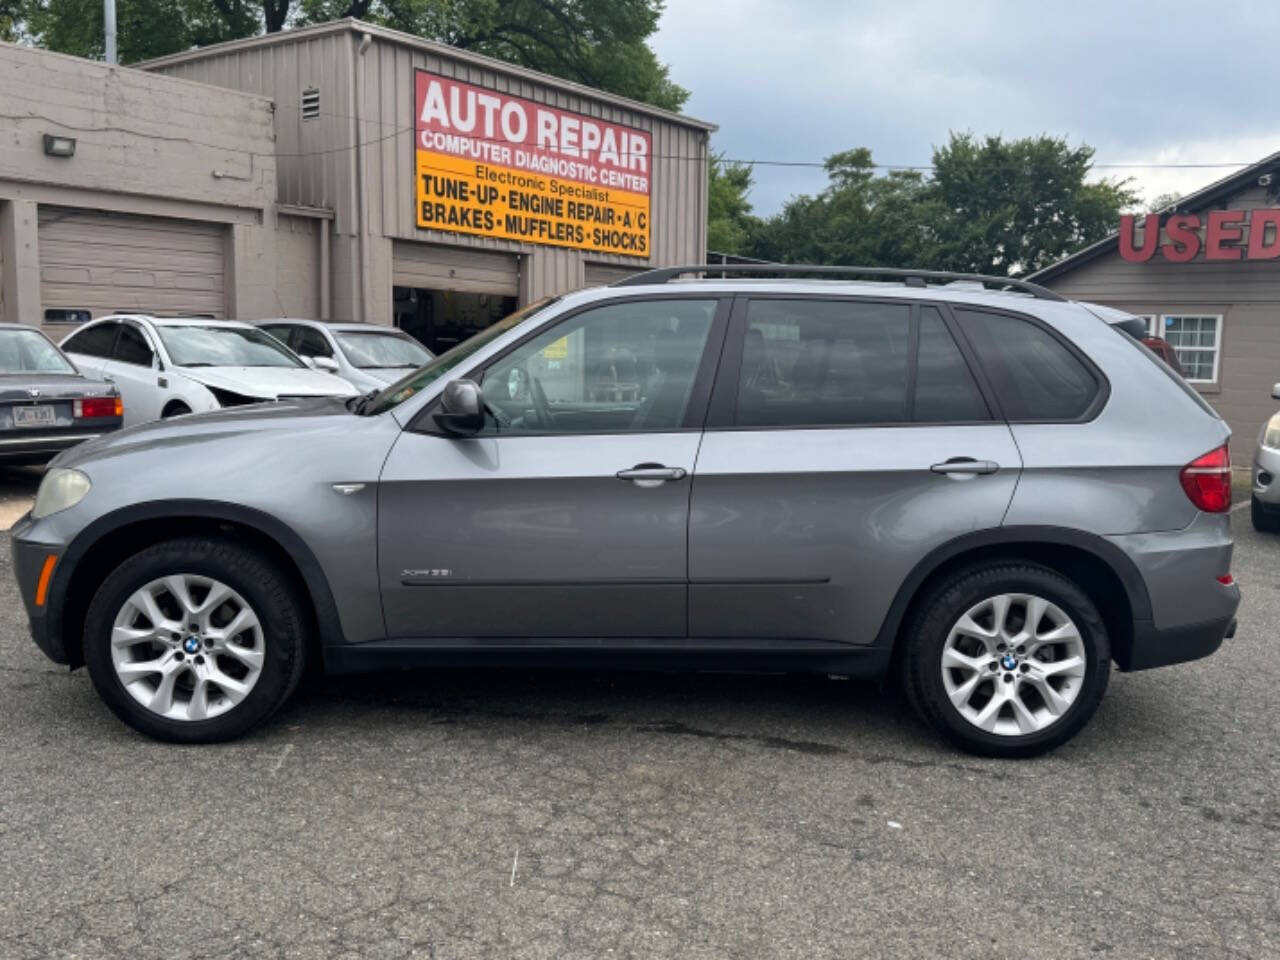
(557, 815)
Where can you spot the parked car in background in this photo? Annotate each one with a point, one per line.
(367, 355)
(1164, 350)
(1264, 503)
(166, 366)
(46, 404)
(989, 492)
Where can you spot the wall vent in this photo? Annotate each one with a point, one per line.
(310, 103)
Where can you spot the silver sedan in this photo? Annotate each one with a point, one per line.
(1265, 503)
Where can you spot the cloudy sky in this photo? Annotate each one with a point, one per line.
(1169, 83)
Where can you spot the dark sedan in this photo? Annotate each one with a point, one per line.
(46, 404)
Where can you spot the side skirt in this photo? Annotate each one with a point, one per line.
(726, 655)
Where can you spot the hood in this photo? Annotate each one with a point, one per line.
(52, 386)
(291, 418)
(270, 383)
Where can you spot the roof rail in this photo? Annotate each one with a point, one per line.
(911, 278)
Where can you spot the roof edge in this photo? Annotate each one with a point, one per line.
(1231, 184)
(352, 25)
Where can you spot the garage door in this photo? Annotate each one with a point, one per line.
(454, 268)
(603, 274)
(114, 262)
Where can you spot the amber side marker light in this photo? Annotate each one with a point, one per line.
(46, 574)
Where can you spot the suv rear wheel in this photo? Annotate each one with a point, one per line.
(195, 641)
(1007, 659)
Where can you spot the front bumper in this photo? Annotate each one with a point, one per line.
(28, 563)
(1266, 476)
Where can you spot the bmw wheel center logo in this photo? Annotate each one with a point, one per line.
(1008, 661)
(191, 644)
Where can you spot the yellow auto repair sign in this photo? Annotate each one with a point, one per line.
(498, 166)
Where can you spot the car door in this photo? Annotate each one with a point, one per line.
(132, 365)
(90, 347)
(567, 516)
(846, 440)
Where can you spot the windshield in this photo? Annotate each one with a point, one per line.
(400, 391)
(194, 346)
(26, 351)
(375, 351)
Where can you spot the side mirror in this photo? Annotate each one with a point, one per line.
(461, 412)
(327, 364)
(1275, 391)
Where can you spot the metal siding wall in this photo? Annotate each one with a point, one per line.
(315, 157)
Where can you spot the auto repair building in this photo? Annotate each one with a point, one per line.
(1205, 274)
(342, 171)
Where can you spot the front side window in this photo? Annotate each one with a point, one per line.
(626, 366)
(95, 341)
(1034, 374)
(190, 345)
(132, 347)
(281, 331)
(824, 363)
(310, 342)
(377, 351)
(27, 351)
(1196, 341)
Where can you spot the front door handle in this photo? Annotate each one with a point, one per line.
(651, 474)
(966, 466)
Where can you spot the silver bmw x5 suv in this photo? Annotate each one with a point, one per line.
(967, 482)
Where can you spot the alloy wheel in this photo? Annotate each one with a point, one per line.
(187, 647)
(1013, 664)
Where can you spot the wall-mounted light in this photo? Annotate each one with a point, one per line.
(56, 146)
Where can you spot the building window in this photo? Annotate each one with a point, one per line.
(310, 103)
(1195, 338)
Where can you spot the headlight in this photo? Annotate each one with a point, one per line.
(60, 489)
(1271, 438)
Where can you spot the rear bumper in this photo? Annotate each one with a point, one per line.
(16, 445)
(1161, 648)
(28, 561)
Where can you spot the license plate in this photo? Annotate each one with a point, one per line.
(38, 416)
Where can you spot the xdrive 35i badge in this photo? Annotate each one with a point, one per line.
(433, 572)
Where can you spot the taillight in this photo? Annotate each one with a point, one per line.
(1207, 481)
(91, 407)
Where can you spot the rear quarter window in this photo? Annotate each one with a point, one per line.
(1035, 375)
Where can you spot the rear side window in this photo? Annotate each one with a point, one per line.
(94, 342)
(945, 388)
(311, 343)
(280, 331)
(824, 362)
(1035, 375)
(132, 347)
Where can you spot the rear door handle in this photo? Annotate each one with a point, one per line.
(966, 466)
(651, 474)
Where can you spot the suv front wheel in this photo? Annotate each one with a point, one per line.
(195, 641)
(1007, 659)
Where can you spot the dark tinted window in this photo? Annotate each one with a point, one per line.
(1034, 374)
(94, 342)
(281, 331)
(132, 347)
(311, 343)
(945, 389)
(816, 362)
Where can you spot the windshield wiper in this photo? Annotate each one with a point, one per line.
(362, 401)
(198, 363)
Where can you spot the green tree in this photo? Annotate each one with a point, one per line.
(990, 206)
(599, 43)
(1012, 207)
(729, 219)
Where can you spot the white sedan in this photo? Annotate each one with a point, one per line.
(169, 366)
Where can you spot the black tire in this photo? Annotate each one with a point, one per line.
(175, 409)
(932, 621)
(280, 613)
(1263, 521)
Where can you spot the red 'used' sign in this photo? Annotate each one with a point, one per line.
(1228, 235)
